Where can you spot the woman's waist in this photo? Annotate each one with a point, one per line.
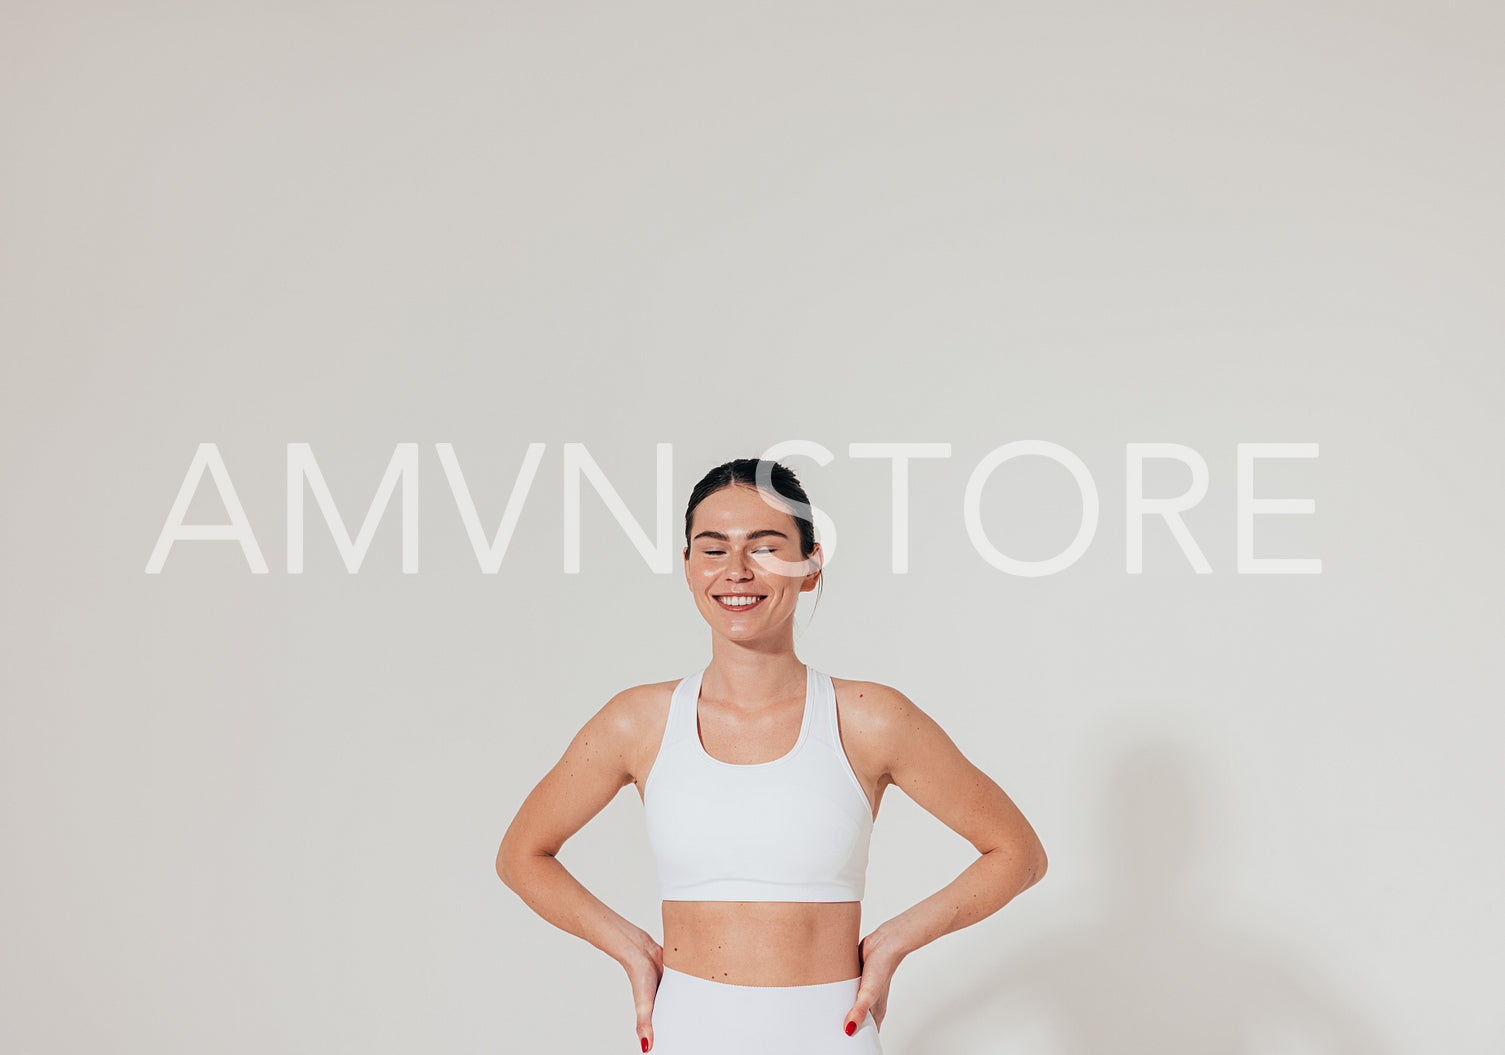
(764, 943)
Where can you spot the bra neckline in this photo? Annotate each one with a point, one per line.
(804, 733)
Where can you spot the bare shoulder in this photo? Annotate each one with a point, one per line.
(875, 721)
(634, 719)
(870, 700)
(632, 703)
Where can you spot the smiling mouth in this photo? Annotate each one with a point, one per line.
(742, 602)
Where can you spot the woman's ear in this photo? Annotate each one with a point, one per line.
(817, 560)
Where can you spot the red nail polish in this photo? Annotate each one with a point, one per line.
(645, 1043)
(851, 1028)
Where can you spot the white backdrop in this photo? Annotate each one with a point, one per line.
(259, 812)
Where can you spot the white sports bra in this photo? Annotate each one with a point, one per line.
(793, 829)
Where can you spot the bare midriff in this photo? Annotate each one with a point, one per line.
(764, 942)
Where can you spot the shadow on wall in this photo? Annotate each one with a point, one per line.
(1163, 970)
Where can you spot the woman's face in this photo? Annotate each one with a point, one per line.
(744, 565)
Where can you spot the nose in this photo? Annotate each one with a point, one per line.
(736, 566)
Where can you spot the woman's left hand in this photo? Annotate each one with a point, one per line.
(881, 954)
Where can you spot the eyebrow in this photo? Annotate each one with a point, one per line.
(750, 535)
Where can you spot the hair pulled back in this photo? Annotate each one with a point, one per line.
(768, 476)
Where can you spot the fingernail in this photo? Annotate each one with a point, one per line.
(645, 1043)
(851, 1028)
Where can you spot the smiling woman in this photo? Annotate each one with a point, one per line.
(741, 552)
(761, 778)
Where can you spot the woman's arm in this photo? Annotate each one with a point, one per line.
(592, 770)
(916, 754)
(928, 766)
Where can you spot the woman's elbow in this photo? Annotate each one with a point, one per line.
(513, 859)
(1028, 851)
(509, 856)
(1040, 862)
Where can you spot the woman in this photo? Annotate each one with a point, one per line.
(761, 778)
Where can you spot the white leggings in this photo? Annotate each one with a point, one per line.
(696, 1016)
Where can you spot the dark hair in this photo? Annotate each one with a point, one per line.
(768, 476)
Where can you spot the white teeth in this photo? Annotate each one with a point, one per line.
(739, 602)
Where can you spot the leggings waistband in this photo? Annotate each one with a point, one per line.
(700, 1016)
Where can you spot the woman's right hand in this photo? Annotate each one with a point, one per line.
(644, 967)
